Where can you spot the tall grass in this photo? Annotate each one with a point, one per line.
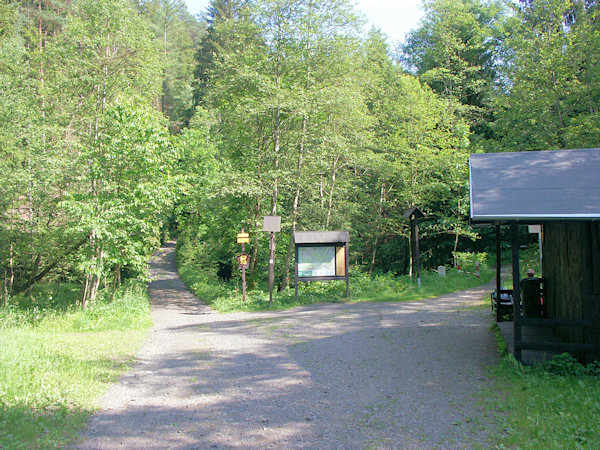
(57, 359)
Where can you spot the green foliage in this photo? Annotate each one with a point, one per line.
(556, 405)
(130, 169)
(61, 92)
(178, 34)
(58, 359)
(453, 51)
(324, 130)
(56, 308)
(468, 260)
(565, 364)
(551, 95)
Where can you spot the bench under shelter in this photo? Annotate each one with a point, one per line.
(558, 190)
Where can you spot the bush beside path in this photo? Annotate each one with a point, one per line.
(386, 375)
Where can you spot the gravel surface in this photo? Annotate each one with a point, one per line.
(367, 375)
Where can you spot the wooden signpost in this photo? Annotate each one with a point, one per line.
(413, 214)
(272, 225)
(243, 259)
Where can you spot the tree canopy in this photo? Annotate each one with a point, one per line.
(125, 121)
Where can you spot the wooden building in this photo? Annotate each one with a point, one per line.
(559, 190)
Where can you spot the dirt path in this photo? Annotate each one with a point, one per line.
(384, 375)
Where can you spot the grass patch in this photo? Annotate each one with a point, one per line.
(554, 405)
(226, 297)
(542, 408)
(57, 360)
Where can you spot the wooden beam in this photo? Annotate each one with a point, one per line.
(531, 322)
(516, 273)
(553, 346)
(498, 274)
(417, 259)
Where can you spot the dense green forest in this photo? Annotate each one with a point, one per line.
(123, 122)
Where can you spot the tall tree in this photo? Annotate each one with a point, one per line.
(551, 96)
(211, 41)
(286, 98)
(453, 51)
(418, 157)
(178, 33)
(111, 55)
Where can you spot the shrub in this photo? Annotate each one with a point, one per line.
(468, 259)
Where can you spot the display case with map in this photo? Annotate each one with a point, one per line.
(321, 256)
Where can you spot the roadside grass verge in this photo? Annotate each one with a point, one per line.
(57, 359)
(555, 405)
(227, 297)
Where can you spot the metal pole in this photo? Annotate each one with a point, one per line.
(271, 267)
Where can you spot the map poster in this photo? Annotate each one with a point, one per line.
(316, 261)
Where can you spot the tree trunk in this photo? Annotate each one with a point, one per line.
(49, 267)
(117, 277)
(5, 288)
(86, 288)
(11, 266)
(374, 254)
(36, 267)
(456, 241)
(333, 178)
(378, 231)
(290, 249)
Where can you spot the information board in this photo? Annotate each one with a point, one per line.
(316, 261)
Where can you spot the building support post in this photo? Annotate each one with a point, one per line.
(498, 273)
(516, 273)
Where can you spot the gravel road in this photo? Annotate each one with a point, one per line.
(368, 375)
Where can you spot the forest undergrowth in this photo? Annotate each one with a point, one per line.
(226, 296)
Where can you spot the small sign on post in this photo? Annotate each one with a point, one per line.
(272, 224)
(243, 259)
(243, 238)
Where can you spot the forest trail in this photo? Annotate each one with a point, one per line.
(385, 375)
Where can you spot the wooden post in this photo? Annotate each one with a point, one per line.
(516, 273)
(243, 275)
(272, 224)
(414, 234)
(296, 277)
(347, 273)
(498, 274)
(413, 214)
(243, 238)
(417, 260)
